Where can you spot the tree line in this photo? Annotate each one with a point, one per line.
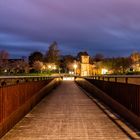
(37, 59)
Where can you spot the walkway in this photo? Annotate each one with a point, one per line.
(66, 114)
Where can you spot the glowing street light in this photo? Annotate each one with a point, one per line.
(49, 66)
(54, 67)
(104, 71)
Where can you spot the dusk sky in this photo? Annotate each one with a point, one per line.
(111, 27)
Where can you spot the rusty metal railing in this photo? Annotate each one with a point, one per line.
(19, 96)
(13, 80)
(126, 94)
(131, 79)
(123, 98)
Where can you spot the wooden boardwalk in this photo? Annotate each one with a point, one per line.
(66, 114)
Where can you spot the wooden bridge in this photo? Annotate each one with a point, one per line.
(67, 112)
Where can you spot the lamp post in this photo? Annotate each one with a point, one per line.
(75, 67)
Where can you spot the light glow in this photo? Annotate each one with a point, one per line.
(68, 78)
(49, 66)
(104, 71)
(75, 66)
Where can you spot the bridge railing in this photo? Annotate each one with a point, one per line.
(13, 80)
(124, 98)
(18, 95)
(126, 94)
(131, 79)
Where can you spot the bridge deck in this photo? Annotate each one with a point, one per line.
(66, 114)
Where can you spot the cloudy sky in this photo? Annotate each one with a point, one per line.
(111, 27)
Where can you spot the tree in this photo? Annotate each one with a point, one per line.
(38, 65)
(98, 57)
(108, 63)
(52, 55)
(117, 65)
(135, 56)
(122, 64)
(68, 62)
(35, 56)
(20, 66)
(4, 55)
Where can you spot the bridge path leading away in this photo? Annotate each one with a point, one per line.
(66, 114)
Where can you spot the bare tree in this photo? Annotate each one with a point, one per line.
(52, 55)
(135, 56)
(20, 66)
(4, 55)
(98, 57)
(38, 65)
(68, 62)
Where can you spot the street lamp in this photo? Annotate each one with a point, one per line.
(49, 66)
(75, 67)
(54, 67)
(104, 71)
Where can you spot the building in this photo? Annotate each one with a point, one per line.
(86, 69)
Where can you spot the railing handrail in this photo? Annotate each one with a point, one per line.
(131, 79)
(12, 80)
(115, 76)
(18, 77)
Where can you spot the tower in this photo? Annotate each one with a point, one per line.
(85, 66)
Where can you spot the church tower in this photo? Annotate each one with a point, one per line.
(85, 65)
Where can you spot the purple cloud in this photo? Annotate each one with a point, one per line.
(109, 27)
